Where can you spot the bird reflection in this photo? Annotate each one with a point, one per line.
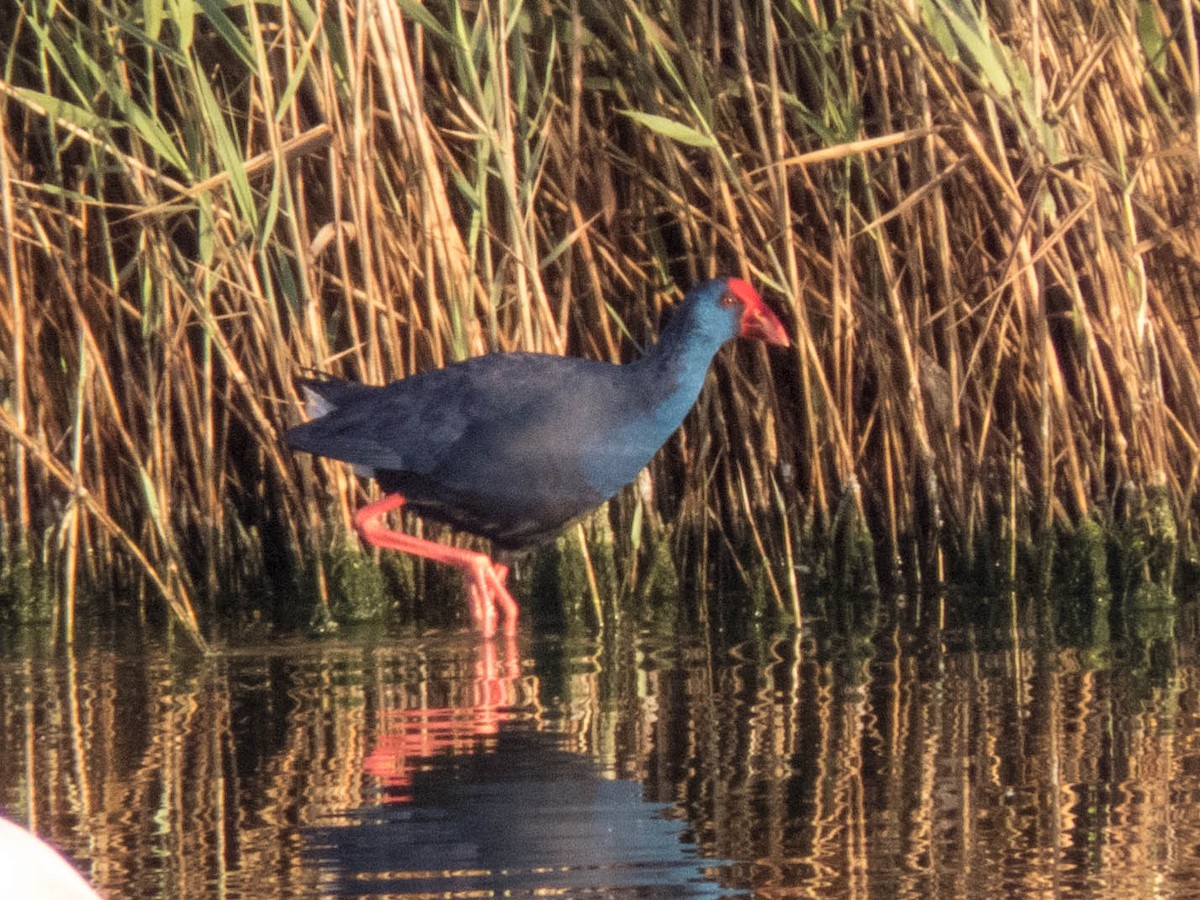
(477, 705)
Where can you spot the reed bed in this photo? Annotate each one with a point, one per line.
(978, 222)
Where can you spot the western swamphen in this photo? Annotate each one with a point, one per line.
(513, 446)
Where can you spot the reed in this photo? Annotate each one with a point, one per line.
(976, 221)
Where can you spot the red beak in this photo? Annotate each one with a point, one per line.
(757, 319)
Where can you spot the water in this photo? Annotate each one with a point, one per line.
(632, 765)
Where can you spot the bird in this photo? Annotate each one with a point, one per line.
(513, 447)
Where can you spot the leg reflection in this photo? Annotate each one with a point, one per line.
(452, 710)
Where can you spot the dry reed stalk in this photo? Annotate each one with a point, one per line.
(18, 334)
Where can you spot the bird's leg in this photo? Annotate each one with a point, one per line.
(492, 576)
(485, 579)
(497, 575)
(483, 611)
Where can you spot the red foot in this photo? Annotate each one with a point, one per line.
(489, 597)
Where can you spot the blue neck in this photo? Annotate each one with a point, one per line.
(673, 372)
(659, 390)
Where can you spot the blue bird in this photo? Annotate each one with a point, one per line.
(514, 446)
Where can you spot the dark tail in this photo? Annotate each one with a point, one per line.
(321, 397)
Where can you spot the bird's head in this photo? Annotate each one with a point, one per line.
(726, 308)
(756, 319)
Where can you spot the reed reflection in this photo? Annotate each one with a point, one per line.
(832, 767)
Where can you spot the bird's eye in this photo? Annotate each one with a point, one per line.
(729, 299)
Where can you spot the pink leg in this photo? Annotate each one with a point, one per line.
(485, 579)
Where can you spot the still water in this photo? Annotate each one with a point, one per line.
(624, 765)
